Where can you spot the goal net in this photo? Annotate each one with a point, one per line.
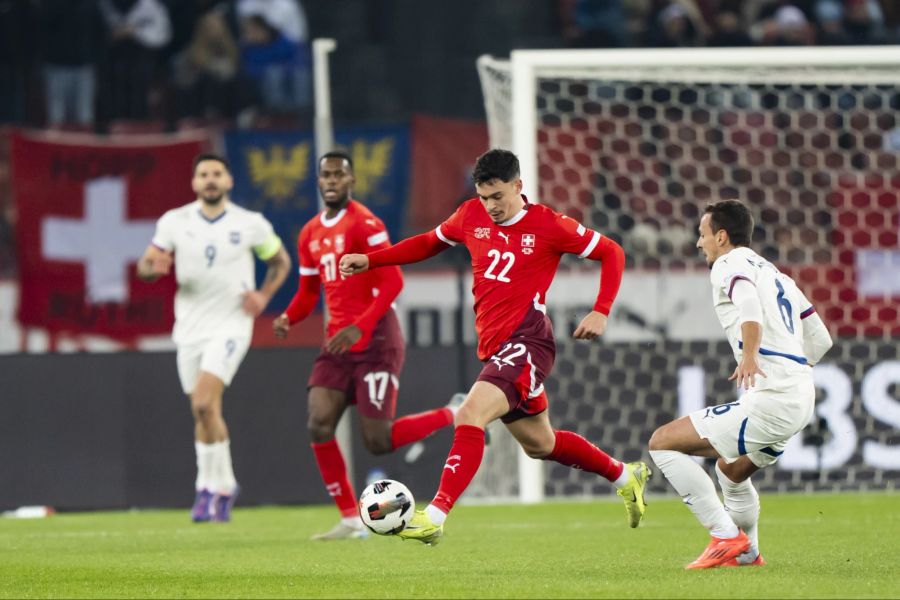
(635, 143)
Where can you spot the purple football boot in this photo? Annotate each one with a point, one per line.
(222, 505)
(200, 513)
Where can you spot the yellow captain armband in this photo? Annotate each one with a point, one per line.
(269, 248)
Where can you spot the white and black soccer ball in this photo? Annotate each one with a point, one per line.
(386, 506)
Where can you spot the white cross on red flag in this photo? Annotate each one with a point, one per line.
(86, 211)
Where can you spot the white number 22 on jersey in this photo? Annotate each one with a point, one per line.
(509, 257)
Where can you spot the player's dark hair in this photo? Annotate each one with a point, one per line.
(211, 156)
(496, 164)
(734, 217)
(337, 154)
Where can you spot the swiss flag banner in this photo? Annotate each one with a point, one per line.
(86, 210)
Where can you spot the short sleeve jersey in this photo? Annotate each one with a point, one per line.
(214, 266)
(784, 306)
(513, 263)
(320, 246)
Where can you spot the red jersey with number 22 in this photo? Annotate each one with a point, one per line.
(513, 263)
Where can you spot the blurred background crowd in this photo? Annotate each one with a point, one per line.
(161, 65)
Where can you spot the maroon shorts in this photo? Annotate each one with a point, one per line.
(521, 365)
(370, 378)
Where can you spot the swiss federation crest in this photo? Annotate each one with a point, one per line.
(528, 240)
(339, 243)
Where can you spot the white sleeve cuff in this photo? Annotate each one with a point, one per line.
(442, 237)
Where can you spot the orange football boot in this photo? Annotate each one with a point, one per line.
(720, 551)
(759, 562)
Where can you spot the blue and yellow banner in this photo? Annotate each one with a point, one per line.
(275, 174)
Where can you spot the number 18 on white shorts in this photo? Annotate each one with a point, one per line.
(760, 423)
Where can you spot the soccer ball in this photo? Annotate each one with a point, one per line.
(386, 506)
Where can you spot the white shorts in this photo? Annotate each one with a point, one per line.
(220, 355)
(761, 422)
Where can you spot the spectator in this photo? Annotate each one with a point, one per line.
(830, 19)
(276, 52)
(285, 15)
(864, 22)
(594, 23)
(728, 33)
(69, 31)
(206, 71)
(137, 31)
(787, 27)
(272, 61)
(678, 24)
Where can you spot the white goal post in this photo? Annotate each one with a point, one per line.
(513, 104)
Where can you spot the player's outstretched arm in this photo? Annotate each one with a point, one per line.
(155, 263)
(746, 371)
(612, 257)
(277, 267)
(351, 264)
(745, 298)
(411, 250)
(591, 327)
(816, 339)
(301, 305)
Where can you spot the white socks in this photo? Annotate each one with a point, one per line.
(206, 466)
(214, 470)
(227, 482)
(696, 490)
(624, 478)
(354, 522)
(436, 515)
(742, 504)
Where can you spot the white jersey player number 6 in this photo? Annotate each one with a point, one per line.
(509, 257)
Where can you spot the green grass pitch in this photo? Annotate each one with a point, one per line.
(818, 546)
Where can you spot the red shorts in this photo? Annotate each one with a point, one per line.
(369, 378)
(521, 365)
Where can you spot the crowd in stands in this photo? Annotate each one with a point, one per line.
(728, 23)
(104, 64)
(99, 64)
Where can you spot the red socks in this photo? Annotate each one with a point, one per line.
(413, 428)
(334, 474)
(574, 451)
(462, 464)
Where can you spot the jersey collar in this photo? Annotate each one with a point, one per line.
(518, 216)
(215, 219)
(333, 220)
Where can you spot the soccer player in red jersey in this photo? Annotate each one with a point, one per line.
(363, 353)
(515, 247)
